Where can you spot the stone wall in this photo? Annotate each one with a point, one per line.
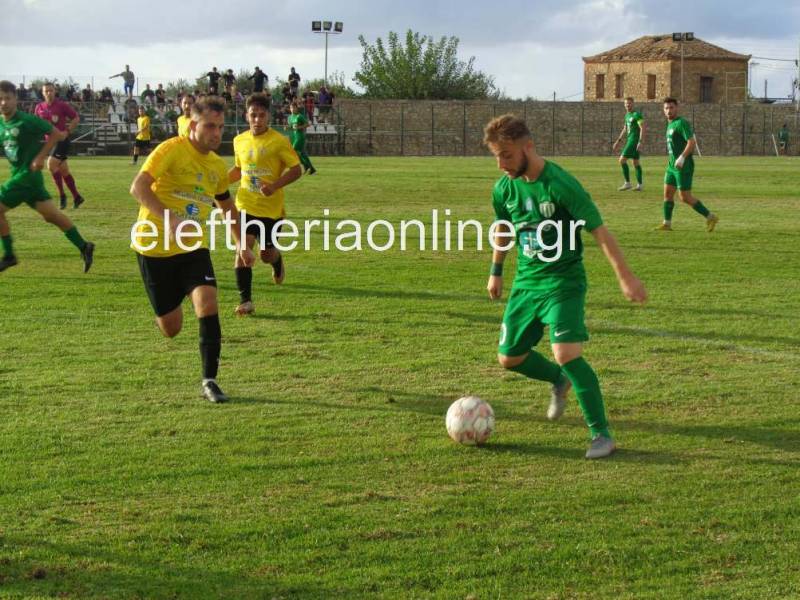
(443, 128)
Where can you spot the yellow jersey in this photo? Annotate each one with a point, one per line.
(262, 159)
(143, 125)
(183, 125)
(186, 183)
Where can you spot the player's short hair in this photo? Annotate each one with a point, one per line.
(505, 128)
(629, 98)
(7, 87)
(208, 104)
(190, 96)
(48, 84)
(670, 100)
(259, 100)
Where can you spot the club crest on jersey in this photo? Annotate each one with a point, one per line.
(548, 209)
(14, 132)
(54, 118)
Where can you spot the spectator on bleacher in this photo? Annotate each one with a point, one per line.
(260, 79)
(294, 82)
(87, 94)
(129, 80)
(22, 93)
(286, 92)
(308, 105)
(106, 95)
(148, 95)
(161, 96)
(228, 80)
(236, 95)
(213, 81)
(324, 100)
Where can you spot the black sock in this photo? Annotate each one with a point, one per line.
(210, 345)
(244, 281)
(135, 158)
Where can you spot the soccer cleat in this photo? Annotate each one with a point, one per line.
(638, 187)
(311, 171)
(78, 201)
(87, 253)
(601, 447)
(8, 261)
(624, 186)
(711, 222)
(278, 271)
(664, 227)
(212, 392)
(558, 399)
(244, 309)
(63, 202)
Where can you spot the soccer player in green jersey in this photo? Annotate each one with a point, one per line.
(783, 139)
(21, 135)
(633, 130)
(298, 123)
(540, 205)
(680, 169)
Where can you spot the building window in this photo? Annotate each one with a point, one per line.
(706, 86)
(651, 87)
(600, 86)
(619, 86)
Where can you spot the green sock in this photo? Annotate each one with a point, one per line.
(8, 250)
(638, 169)
(590, 399)
(538, 367)
(75, 237)
(668, 208)
(698, 207)
(626, 172)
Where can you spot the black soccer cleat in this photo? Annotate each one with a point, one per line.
(212, 392)
(88, 256)
(78, 201)
(63, 203)
(311, 171)
(8, 261)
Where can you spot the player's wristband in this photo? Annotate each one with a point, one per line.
(496, 270)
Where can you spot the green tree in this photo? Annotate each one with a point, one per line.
(423, 68)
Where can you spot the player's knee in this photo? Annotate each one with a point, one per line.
(509, 362)
(622, 160)
(170, 328)
(564, 353)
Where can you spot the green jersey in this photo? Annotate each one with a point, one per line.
(22, 138)
(298, 119)
(679, 132)
(633, 126)
(783, 135)
(555, 196)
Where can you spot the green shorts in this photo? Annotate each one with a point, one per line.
(630, 151)
(27, 187)
(528, 311)
(680, 178)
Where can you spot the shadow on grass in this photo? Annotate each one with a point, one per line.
(92, 570)
(575, 453)
(351, 292)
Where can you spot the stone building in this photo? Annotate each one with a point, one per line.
(655, 66)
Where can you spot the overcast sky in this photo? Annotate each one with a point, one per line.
(532, 48)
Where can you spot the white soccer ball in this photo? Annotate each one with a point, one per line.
(470, 420)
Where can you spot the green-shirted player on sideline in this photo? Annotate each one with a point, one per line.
(547, 207)
(298, 123)
(680, 169)
(21, 135)
(633, 131)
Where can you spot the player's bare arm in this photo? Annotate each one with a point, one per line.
(288, 177)
(632, 288)
(495, 284)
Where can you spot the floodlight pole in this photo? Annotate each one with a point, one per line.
(682, 36)
(325, 27)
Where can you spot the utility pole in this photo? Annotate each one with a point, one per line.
(682, 68)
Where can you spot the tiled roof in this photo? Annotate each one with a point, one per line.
(661, 47)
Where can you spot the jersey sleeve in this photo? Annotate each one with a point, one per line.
(160, 160)
(639, 118)
(499, 204)
(222, 183)
(687, 130)
(569, 193)
(69, 111)
(288, 155)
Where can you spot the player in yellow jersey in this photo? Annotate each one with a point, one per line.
(265, 162)
(142, 141)
(183, 121)
(177, 186)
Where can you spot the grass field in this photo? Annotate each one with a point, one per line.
(330, 474)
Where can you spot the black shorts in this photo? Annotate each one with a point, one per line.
(251, 228)
(170, 279)
(61, 151)
(142, 144)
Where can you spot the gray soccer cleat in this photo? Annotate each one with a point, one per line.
(558, 399)
(601, 447)
(625, 186)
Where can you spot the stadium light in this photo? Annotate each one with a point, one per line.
(326, 27)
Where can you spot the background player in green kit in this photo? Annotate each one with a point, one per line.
(298, 123)
(21, 135)
(633, 131)
(546, 205)
(680, 169)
